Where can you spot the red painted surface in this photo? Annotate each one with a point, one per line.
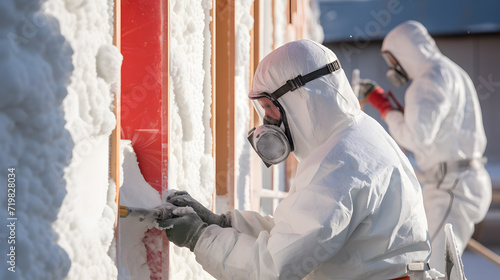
(144, 104)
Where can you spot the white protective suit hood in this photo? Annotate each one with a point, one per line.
(413, 47)
(317, 109)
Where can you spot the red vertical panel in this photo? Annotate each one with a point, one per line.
(144, 104)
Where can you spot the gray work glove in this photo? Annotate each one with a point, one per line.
(184, 229)
(182, 199)
(366, 87)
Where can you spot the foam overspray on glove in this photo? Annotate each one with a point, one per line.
(184, 227)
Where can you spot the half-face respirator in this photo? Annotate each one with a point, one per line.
(396, 74)
(273, 141)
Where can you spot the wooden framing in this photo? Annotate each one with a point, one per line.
(255, 40)
(213, 61)
(224, 98)
(289, 12)
(114, 151)
(292, 11)
(291, 168)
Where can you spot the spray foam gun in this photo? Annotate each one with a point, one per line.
(163, 212)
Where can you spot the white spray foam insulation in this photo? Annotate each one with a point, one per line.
(266, 34)
(244, 23)
(35, 66)
(134, 192)
(191, 166)
(312, 29)
(86, 220)
(282, 32)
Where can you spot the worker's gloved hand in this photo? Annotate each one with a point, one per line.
(366, 87)
(184, 229)
(376, 96)
(182, 198)
(379, 101)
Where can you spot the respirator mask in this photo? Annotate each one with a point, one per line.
(396, 75)
(272, 141)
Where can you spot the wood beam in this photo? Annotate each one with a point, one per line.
(291, 168)
(114, 151)
(224, 98)
(255, 39)
(213, 62)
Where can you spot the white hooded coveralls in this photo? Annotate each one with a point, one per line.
(355, 209)
(442, 122)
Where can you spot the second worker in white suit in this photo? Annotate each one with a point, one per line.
(442, 126)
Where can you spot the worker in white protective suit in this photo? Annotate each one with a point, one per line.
(442, 126)
(355, 210)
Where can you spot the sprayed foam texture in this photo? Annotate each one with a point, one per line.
(86, 220)
(134, 192)
(35, 67)
(190, 161)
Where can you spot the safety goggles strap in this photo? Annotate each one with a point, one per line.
(300, 80)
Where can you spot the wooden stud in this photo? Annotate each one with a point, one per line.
(213, 61)
(289, 12)
(114, 151)
(224, 98)
(255, 38)
(291, 168)
(293, 11)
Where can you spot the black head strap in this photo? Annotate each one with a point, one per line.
(300, 80)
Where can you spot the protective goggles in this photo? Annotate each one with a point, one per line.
(268, 140)
(393, 63)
